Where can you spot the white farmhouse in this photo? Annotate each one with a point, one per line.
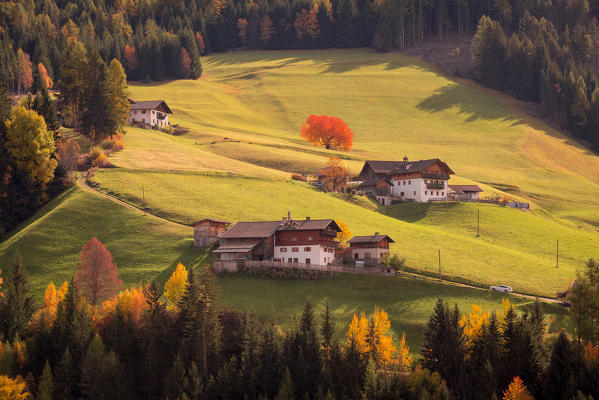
(153, 114)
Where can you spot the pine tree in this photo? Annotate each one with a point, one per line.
(66, 378)
(345, 23)
(73, 78)
(286, 388)
(560, 378)
(45, 107)
(18, 304)
(46, 385)
(327, 330)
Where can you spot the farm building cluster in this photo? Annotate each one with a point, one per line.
(305, 242)
(416, 181)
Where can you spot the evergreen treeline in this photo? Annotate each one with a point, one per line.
(545, 57)
(135, 346)
(159, 39)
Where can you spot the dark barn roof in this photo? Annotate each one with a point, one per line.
(465, 188)
(369, 239)
(417, 166)
(216, 221)
(264, 229)
(150, 105)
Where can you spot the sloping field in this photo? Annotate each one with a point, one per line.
(51, 240)
(516, 247)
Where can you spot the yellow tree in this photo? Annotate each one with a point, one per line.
(473, 323)
(506, 306)
(335, 174)
(371, 337)
(175, 286)
(12, 389)
(344, 235)
(403, 354)
(517, 391)
(357, 331)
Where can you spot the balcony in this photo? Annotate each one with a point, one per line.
(435, 185)
(442, 177)
(161, 116)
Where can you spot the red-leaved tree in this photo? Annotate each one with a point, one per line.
(327, 131)
(131, 58)
(97, 277)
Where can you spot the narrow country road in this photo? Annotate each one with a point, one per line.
(84, 186)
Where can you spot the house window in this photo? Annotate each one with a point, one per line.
(442, 193)
(308, 261)
(295, 260)
(153, 112)
(437, 193)
(414, 193)
(294, 238)
(283, 249)
(426, 192)
(290, 259)
(143, 120)
(401, 194)
(409, 182)
(309, 238)
(366, 255)
(134, 112)
(294, 249)
(143, 111)
(307, 249)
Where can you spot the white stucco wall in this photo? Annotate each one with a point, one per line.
(416, 190)
(316, 255)
(149, 117)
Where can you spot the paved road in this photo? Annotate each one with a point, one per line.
(81, 182)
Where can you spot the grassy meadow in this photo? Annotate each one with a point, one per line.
(244, 117)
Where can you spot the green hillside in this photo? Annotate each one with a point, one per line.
(244, 116)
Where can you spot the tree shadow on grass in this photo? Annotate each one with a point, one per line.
(468, 102)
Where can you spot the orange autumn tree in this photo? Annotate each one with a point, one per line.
(13, 389)
(242, 28)
(335, 174)
(371, 338)
(517, 391)
(330, 132)
(175, 286)
(306, 24)
(131, 58)
(44, 76)
(200, 42)
(473, 323)
(344, 235)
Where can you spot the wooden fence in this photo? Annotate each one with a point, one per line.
(235, 266)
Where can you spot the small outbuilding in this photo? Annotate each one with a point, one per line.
(464, 192)
(153, 113)
(207, 231)
(370, 248)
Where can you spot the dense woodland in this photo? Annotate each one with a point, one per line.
(87, 340)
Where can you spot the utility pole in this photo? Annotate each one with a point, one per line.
(439, 263)
(478, 222)
(557, 254)
(143, 199)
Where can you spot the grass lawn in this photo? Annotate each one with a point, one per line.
(408, 302)
(516, 247)
(51, 240)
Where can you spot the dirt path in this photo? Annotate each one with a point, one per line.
(81, 182)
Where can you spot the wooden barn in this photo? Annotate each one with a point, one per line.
(207, 231)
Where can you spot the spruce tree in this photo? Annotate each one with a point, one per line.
(118, 95)
(286, 388)
(18, 305)
(46, 385)
(560, 378)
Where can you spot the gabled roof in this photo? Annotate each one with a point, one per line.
(218, 221)
(369, 239)
(417, 166)
(150, 105)
(373, 182)
(383, 167)
(264, 229)
(244, 230)
(310, 224)
(466, 188)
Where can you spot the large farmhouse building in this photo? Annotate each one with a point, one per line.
(153, 114)
(309, 241)
(420, 181)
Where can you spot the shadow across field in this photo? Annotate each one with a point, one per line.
(460, 96)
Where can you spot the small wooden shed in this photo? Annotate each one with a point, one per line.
(207, 231)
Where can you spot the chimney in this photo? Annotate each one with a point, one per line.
(376, 233)
(288, 215)
(307, 218)
(405, 158)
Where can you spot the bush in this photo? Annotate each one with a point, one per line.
(115, 143)
(298, 177)
(97, 158)
(396, 263)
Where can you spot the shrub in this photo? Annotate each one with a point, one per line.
(98, 158)
(396, 263)
(114, 143)
(298, 177)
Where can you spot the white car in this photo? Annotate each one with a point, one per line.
(501, 288)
